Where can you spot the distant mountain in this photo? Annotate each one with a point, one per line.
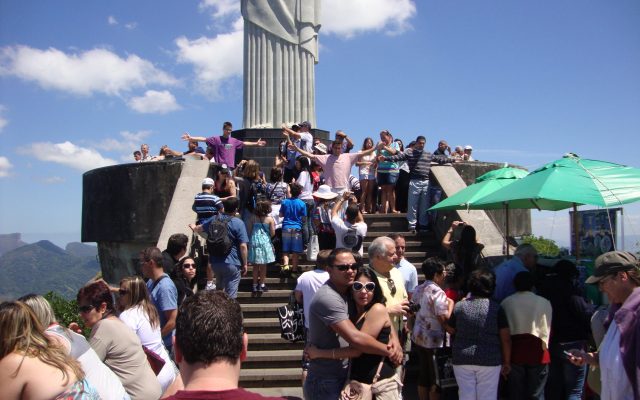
(82, 250)
(42, 267)
(10, 241)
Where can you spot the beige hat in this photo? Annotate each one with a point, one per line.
(610, 263)
(324, 192)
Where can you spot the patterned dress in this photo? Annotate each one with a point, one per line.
(260, 246)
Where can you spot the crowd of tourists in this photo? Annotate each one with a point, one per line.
(177, 332)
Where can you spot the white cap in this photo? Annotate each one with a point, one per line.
(208, 182)
(467, 147)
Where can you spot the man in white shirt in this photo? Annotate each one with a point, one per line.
(408, 270)
(350, 233)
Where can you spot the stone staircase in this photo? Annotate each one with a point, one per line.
(273, 365)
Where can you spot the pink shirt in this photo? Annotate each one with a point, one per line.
(337, 169)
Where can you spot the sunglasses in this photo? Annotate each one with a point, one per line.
(122, 292)
(392, 286)
(369, 286)
(185, 265)
(85, 309)
(344, 267)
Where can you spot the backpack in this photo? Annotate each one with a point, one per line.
(218, 241)
(352, 240)
(256, 194)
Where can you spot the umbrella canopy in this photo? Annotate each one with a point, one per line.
(568, 182)
(485, 185)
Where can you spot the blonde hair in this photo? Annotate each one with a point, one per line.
(41, 308)
(23, 333)
(251, 170)
(139, 295)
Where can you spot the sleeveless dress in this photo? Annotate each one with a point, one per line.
(260, 246)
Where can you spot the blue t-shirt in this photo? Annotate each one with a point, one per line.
(293, 212)
(237, 233)
(505, 273)
(165, 297)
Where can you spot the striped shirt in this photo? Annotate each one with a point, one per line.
(206, 205)
(419, 162)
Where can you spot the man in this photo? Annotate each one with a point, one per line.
(137, 156)
(350, 233)
(176, 249)
(467, 153)
(524, 259)
(443, 149)
(229, 268)
(458, 153)
(307, 286)
(145, 156)
(529, 339)
(206, 204)
(408, 270)
(162, 291)
(419, 162)
(210, 345)
(347, 143)
(331, 328)
(224, 147)
(336, 166)
(302, 138)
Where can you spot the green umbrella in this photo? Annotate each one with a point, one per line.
(569, 182)
(484, 185)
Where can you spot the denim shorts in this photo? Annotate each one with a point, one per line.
(292, 241)
(369, 177)
(387, 178)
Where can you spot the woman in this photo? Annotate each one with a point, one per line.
(387, 172)
(482, 343)
(466, 252)
(430, 324)
(402, 186)
(303, 166)
(571, 327)
(367, 171)
(372, 318)
(184, 278)
(225, 186)
(116, 345)
(98, 375)
(253, 188)
(321, 216)
(31, 365)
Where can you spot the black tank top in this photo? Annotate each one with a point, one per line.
(364, 368)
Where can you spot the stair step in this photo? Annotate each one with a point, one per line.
(293, 393)
(273, 359)
(281, 377)
(271, 341)
(262, 325)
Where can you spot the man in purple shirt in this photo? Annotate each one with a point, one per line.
(224, 147)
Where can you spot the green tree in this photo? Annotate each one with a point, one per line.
(544, 246)
(66, 311)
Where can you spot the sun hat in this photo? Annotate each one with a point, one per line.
(610, 263)
(324, 192)
(320, 148)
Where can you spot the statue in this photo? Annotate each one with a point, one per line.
(280, 53)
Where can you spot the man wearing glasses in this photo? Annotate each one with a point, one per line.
(525, 258)
(331, 328)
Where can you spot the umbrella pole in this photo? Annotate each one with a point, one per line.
(506, 228)
(575, 232)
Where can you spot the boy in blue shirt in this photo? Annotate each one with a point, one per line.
(293, 211)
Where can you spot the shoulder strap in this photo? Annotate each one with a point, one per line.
(156, 283)
(273, 190)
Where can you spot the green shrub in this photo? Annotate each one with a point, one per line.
(66, 311)
(545, 247)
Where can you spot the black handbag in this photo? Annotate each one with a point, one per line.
(443, 366)
(291, 317)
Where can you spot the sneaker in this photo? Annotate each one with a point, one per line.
(254, 291)
(264, 288)
(285, 270)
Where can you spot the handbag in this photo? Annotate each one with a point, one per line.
(291, 317)
(155, 361)
(313, 248)
(443, 367)
(355, 390)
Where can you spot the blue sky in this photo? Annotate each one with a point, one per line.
(83, 84)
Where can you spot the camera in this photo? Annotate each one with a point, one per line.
(414, 307)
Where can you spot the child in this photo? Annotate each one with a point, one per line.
(263, 229)
(293, 212)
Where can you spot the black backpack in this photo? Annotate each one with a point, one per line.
(256, 194)
(218, 241)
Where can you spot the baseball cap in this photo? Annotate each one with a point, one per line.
(207, 182)
(610, 263)
(467, 147)
(305, 123)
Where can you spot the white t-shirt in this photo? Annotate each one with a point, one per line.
(615, 382)
(305, 181)
(309, 283)
(346, 230)
(136, 319)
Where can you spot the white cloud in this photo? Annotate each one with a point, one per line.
(348, 18)
(215, 60)
(5, 167)
(222, 8)
(3, 120)
(53, 180)
(154, 102)
(94, 71)
(68, 154)
(127, 142)
(131, 25)
(111, 20)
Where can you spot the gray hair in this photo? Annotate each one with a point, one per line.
(525, 249)
(41, 308)
(379, 246)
